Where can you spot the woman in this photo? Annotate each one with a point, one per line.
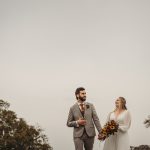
(120, 140)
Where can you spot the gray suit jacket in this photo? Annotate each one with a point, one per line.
(90, 116)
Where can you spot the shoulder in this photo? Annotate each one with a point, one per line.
(110, 113)
(89, 104)
(127, 112)
(73, 106)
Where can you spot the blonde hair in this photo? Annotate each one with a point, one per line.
(123, 101)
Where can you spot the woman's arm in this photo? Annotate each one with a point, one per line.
(127, 122)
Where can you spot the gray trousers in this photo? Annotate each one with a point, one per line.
(84, 141)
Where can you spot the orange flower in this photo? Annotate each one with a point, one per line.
(109, 129)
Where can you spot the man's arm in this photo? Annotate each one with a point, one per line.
(71, 122)
(96, 119)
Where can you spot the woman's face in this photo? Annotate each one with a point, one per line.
(118, 103)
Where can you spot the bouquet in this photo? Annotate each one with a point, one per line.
(109, 129)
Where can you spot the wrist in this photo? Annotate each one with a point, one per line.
(77, 123)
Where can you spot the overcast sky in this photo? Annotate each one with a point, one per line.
(49, 48)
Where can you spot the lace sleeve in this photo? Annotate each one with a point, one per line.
(127, 122)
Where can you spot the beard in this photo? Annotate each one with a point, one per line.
(82, 98)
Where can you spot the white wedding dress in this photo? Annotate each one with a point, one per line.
(120, 140)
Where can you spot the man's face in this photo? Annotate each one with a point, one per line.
(82, 95)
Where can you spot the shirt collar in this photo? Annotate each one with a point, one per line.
(79, 102)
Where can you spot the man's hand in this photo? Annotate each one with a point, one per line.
(81, 121)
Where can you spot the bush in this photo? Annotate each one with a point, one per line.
(16, 134)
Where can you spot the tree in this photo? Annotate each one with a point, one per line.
(16, 134)
(147, 122)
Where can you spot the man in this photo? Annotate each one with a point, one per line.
(82, 116)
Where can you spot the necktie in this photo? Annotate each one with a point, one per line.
(82, 108)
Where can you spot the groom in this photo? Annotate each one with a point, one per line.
(82, 116)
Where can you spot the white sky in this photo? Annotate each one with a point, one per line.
(49, 48)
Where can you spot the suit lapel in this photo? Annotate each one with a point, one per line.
(78, 110)
(86, 110)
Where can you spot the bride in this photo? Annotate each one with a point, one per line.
(120, 140)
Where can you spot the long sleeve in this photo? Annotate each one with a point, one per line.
(96, 119)
(127, 122)
(71, 122)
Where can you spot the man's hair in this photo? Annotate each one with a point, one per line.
(78, 91)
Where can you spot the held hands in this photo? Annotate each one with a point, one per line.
(101, 137)
(81, 121)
